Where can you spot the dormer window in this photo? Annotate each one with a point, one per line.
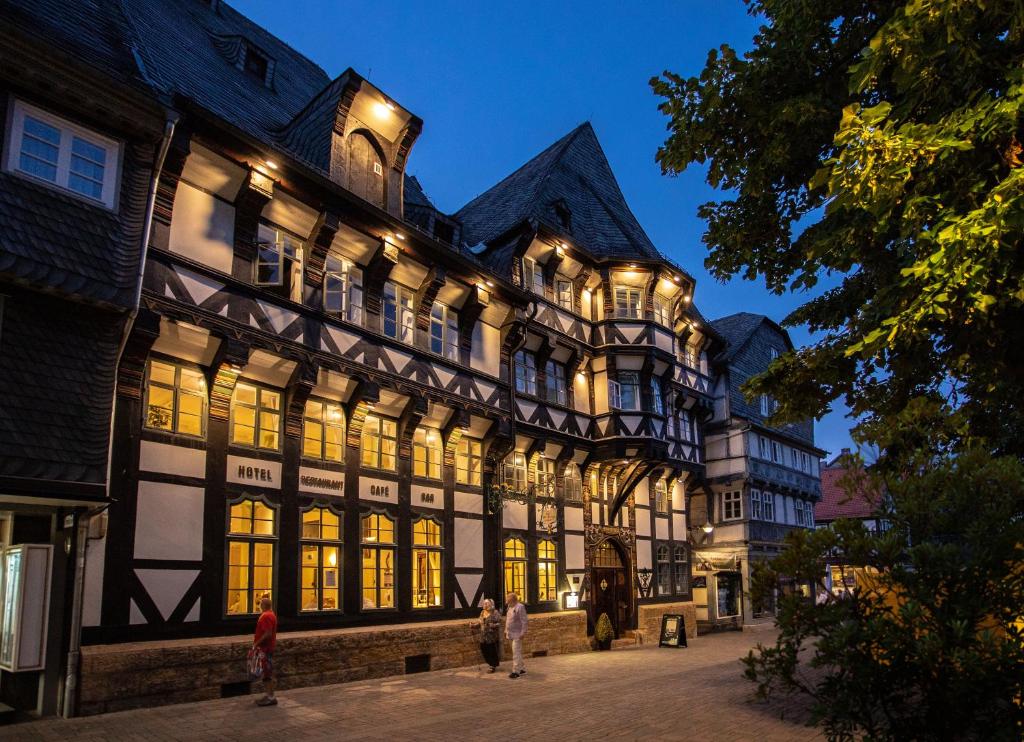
(255, 63)
(564, 215)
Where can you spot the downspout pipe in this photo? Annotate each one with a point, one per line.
(69, 706)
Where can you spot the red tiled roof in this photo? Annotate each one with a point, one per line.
(837, 502)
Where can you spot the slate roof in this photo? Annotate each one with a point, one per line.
(737, 329)
(836, 502)
(575, 171)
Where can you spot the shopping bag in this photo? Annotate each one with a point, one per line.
(257, 662)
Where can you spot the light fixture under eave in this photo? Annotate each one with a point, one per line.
(271, 164)
(632, 265)
(707, 528)
(686, 297)
(399, 235)
(490, 284)
(676, 279)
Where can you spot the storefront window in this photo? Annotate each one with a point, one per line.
(256, 417)
(547, 570)
(323, 431)
(427, 551)
(468, 462)
(378, 561)
(426, 453)
(321, 560)
(728, 594)
(379, 443)
(252, 533)
(175, 398)
(515, 566)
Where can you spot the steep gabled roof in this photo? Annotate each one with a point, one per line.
(572, 175)
(837, 502)
(737, 329)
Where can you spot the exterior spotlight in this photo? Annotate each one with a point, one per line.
(399, 235)
(271, 164)
(686, 297)
(632, 265)
(676, 279)
(707, 528)
(490, 284)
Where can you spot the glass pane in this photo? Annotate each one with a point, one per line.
(245, 394)
(270, 400)
(161, 373)
(158, 413)
(330, 525)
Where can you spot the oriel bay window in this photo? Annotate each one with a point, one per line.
(662, 310)
(378, 561)
(427, 552)
(514, 472)
(627, 303)
(323, 431)
(526, 372)
(556, 387)
(175, 398)
(469, 462)
(398, 315)
(514, 552)
(279, 261)
(629, 390)
(547, 571)
(343, 288)
(252, 533)
(256, 417)
(426, 453)
(320, 547)
(444, 331)
(379, 443)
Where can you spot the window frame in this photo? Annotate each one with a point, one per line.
(404, 319)
(289, 280)
(378, 547)
(768, 506)
(176, 392)
(349, 276)
(662, 503)
(624, 309)
(324, 425)
(756, 509)
(663, 310)
(657, 398)
(321, 542)
(634, 383)
(564, 294)
(69, 131)
(381, 438)
(661, 550)
(250, 539)
(544, 474)
(427, 550)
(732, 502)
(533, 276)
(676, 564)
(433, 455)
(258, 418)
(547, 570)
(469, 457)
(555, 382)
(513, 561)
(525, 368)
(448, 329)
(516, 463)
(572, 483)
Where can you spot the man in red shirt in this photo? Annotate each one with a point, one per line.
(266, 639)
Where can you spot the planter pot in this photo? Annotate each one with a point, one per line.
(604, 645)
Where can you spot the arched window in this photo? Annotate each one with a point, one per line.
(427, 551)
(572, 483)
(378, 545)
(426, 453)
(664, 570)
(366, 170)
(320, 552)
(515, 567)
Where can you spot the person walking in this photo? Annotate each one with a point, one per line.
(515, 630)
(490, 634)
(266, 639)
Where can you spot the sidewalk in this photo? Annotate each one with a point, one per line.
(644, 693)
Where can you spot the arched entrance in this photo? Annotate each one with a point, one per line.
(611, 585)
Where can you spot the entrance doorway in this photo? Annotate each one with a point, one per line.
(610, 586)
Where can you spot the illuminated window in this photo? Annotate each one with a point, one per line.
(175, 398)
(627, 303)
(256, 417)
(547, 571)
(514, 472)
(563, 293)
(572, 483)
(556, 387)
(664, 570)
(545, 477)
(526, 372)
(662, 310)
(468, 462)
(343, 289)
(444, 331)
(533, 276)
(320, 554)
(399, 318)
(426, 453)
(515, 566)
(378, 561)
(680, 564)
(427, 552)
(279, 261)
(661, 496)
(323, 431)
(379, 443)
(252, 532)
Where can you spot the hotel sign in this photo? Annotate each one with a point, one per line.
(378, 490)
(321, 481)
(254, 471)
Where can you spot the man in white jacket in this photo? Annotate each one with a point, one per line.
(515, 630)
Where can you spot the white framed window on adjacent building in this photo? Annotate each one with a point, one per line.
(732, 505)
(756, 512)
(52, 150)
(768, 506)
(763, 449)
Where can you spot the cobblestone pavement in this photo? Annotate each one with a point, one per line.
(644, 693)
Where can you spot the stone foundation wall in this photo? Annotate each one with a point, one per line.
(115, 677)
(648, 621)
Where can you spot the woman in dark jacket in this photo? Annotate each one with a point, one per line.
(490, 634)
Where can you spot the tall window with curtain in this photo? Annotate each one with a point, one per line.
(547, 571)
(320, 555)
(427, 553)
(378, 561)
(514, 551)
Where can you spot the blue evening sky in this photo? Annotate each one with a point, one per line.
(497, 83)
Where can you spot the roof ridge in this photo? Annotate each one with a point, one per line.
(555, 160)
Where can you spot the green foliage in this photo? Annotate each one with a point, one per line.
(931, 648)
(603, 631)
(887, 135)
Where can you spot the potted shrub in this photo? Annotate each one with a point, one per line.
(603, 632)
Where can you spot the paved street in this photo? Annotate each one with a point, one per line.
(645, 693)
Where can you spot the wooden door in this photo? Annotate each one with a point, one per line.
(607, 585)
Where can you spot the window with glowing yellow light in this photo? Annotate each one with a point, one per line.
(547, 570)
(320, 554)
(426, 453)
(323, 431)
(252, 535)
(515, 566)
(427, 554)
(378, 561)
(175, 398)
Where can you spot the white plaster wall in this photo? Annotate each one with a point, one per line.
(595, 513)
(92, 596)
(167, 586)
(661, 528)
(643, 522)
(573, 519)
(574, 559)
(486, 353)
(644, 551)
(202, 228)
(514, 515)
(581, 394)
(679, 526)
(641, 493)
(469, 544)
(169, 522)
(168, 459)
(600, 392)
(469, 502)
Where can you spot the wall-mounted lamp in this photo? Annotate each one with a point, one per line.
(676, 279)
(571, 601)
(271, 164)
(708, 528)
(686, 297)
(560, 250)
